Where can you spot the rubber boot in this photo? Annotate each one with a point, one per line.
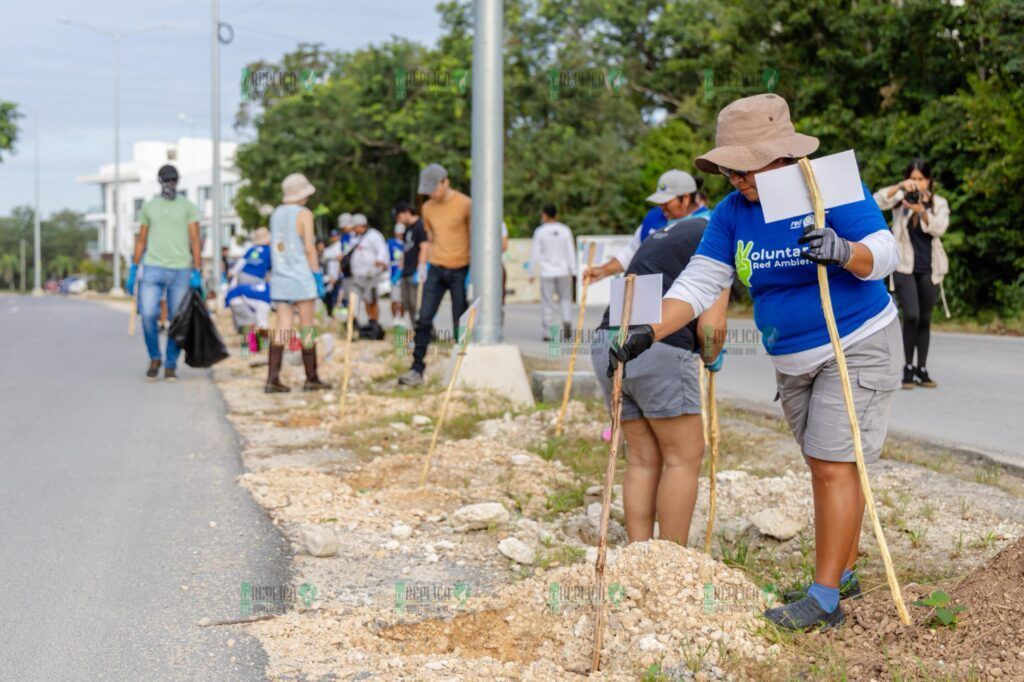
(313, 382)
(274, 385)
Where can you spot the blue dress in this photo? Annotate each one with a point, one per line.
(290, 277)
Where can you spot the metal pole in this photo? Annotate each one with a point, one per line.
(21, 264)
(117, 290)
(37, 259)
(487, 161)
(215, 188)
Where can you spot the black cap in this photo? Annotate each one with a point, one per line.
(167, 172)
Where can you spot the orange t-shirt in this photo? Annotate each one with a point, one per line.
(448, 226)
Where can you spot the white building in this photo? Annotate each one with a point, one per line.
(192, 157)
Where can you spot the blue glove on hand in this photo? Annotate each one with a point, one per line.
(196, 280)
(318, 277)
(130, 283)
(717, 364)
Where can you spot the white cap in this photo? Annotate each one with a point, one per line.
(345, 221)
(672, 184)
(358, 219)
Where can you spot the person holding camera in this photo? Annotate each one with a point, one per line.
(919, 219)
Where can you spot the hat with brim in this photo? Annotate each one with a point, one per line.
(672, 184)
(296, 187)
(752, 132)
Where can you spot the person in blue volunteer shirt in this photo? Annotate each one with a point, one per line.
(778, 263)
(396, 251)
(679, 186)
(254, 266)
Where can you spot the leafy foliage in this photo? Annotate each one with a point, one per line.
(945, 614)
(891, 80)
(9, 115)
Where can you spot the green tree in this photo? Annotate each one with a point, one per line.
(9, 114)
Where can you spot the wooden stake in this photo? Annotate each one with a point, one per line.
(353, 302)
(448, 394)
(575, 342)
(844, 375)
(609, 477)
(713, 431)
(702, 381)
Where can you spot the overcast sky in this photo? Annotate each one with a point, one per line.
(62, 76)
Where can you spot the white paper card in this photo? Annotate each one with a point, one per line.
(646, 300)
(464, 320)
(784, 192)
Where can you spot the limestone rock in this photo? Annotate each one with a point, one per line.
(478, 516)
(776, 523)
(516, 550)
(319, 541)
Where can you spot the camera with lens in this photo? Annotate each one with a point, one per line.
(912, 197)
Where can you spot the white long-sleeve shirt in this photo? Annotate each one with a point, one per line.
(368, 249)
(626, 253)
(552, 251)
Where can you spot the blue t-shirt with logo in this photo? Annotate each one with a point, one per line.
(396, 247)
(257, 261)
(782, 283)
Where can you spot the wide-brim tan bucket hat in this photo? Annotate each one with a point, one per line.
(296, 187)
(752, 132)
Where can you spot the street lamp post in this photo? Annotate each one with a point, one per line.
(116, 37)
(37, 259)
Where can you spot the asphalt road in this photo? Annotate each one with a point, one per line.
(109, 485)
(977, 407)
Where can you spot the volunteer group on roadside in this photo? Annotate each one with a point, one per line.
(700, 253)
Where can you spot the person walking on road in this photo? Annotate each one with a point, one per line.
(553, 259)
(919, 219)
(755, 135)
(414, 258)
(661, 401)
(446, 217)
(676, 197)
(295, 281)
(169, 248)
(367, 258)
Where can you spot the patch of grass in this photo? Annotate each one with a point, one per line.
(562, 555)
(565, 499)
(928, 511)
(737, 554)
(989, 475)
(984, 541)
(916, 536)
(694, 657)
(958, 547)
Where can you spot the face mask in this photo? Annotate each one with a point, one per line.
(169, 189)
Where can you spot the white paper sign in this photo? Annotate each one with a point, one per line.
(646, 300)
(784, 192)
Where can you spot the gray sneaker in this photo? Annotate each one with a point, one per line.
(411, 378)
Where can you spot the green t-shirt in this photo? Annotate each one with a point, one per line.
(167, 244)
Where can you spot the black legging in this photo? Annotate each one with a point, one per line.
(916, 295)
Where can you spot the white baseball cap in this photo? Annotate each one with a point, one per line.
(345, 221)
(672, 184)
(358, 219)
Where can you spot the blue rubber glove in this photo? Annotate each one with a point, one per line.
(318, 277)
(130, 283)
(717, 364)
(196, 280)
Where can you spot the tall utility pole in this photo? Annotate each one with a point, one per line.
(116, 290)
(215, 188)
(37, 258)
(487, 162)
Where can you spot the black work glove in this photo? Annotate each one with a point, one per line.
(826, 247)
(638, 339)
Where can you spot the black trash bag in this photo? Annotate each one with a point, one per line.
(194, 332)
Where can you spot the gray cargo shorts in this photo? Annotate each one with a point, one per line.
(816, 410)
(662, 382)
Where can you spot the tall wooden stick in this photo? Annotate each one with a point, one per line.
(353, 301)
(844, 375)
(448, 394)
(135, 310)
(713, 431)
(702, 381)
(575, 342)
(609, 477)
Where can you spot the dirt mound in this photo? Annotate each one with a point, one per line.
(665, 604)
(987, 643)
